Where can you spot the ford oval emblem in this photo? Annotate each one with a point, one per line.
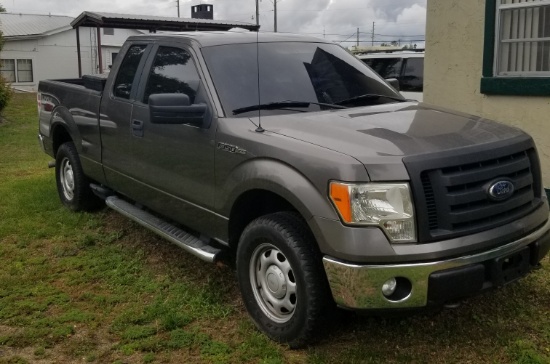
(501, 190)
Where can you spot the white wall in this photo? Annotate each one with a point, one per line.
(55, 56)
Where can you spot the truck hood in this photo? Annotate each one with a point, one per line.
(380, 136)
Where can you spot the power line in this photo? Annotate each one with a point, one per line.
(381, 41)
(365, 33)
(346, 40)
(397, 35)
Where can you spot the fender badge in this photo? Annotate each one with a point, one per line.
(231, 148)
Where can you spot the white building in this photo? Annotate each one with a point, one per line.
(39, 47)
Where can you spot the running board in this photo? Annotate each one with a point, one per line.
(181, 238)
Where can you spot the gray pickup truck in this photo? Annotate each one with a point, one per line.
(292, 159)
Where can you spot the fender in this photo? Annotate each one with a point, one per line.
(279, 178)
(89, 156)
(61, 117)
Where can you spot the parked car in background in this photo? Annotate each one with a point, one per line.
(405, 66)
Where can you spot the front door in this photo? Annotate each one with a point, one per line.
(175, 163)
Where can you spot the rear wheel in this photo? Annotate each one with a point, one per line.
(281, 278)
(73, 186)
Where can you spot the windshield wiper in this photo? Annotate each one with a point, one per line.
(369, 96)
(284, 104)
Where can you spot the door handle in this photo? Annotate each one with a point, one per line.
(137, 128)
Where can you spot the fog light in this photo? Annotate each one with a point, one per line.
(388, 288)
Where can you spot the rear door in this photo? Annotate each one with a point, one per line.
(115, 115)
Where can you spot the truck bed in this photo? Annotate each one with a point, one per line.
(73, 103)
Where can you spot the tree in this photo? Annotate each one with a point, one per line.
(2, 9)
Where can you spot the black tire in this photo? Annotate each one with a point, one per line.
(289, 305)
(73, 186)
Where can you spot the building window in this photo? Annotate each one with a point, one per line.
(523, 46)
(16, 70)
(24, 70)
(516, 57)
(7, 69)
(108, 31)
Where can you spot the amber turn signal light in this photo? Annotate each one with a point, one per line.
(339, 194)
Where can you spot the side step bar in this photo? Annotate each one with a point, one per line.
(181, 238)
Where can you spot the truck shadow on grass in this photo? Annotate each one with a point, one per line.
(510, 324)
(503, 325)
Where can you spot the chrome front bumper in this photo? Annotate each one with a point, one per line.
(359, 286)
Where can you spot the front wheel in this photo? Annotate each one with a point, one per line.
(281, 278)
(73, 186)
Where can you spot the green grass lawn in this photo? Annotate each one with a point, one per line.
(79, 287)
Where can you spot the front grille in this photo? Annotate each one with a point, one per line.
(452, 199)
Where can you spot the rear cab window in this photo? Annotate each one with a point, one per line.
(126, 73)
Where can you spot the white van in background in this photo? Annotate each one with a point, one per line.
(407, 66)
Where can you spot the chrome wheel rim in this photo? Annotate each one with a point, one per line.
(273, 283)
(66, 176)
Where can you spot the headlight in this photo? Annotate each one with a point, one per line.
(388, 205)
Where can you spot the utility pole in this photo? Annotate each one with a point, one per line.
(257, 13)
(372, 36)
(357, 43)
(275, 16)
(178, 2)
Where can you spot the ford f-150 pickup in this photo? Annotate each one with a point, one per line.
(292, 159)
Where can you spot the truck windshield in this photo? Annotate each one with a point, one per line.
(296, 76)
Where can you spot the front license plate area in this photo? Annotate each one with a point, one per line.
(509, 268)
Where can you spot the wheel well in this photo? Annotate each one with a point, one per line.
(251, 205)
(60, 136)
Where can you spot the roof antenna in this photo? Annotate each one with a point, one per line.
(259, 129)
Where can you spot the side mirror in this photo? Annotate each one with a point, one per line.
(176, 109)
(393, 82)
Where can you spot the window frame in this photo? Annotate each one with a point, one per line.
(492, 84)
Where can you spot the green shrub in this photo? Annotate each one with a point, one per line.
(5, 93)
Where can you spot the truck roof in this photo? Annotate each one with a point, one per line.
(208, 39)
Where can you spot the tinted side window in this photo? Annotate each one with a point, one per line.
(173, 71)
(385, 67)
(413, 77)
(127, 71)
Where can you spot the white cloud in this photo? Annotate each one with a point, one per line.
(338, 19)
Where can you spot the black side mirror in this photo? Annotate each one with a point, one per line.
(393, 82)
(176, 109)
